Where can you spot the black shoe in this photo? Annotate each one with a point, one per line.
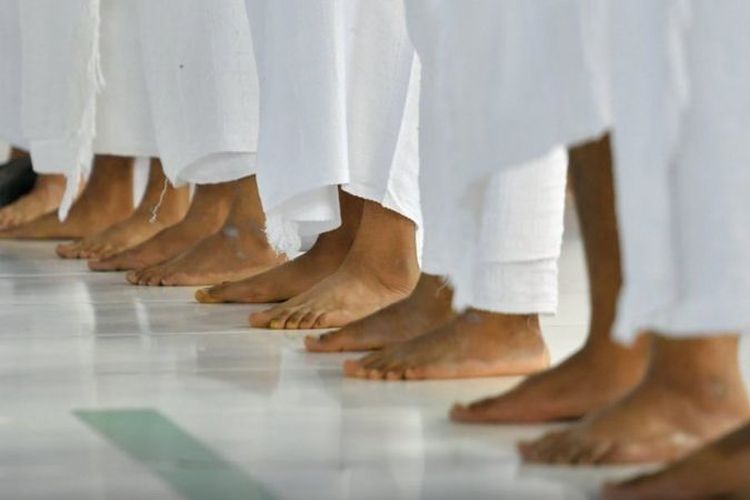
(16, 179)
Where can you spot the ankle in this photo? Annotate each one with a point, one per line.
(527, 324)
(250, 234)
(333, 245)
(392, 270)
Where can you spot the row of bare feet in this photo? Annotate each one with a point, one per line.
(368, 282)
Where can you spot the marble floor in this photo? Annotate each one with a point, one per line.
(109, 391)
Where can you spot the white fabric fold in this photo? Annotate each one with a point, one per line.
(503, 83)
(10, 74)
(203, 87)
(681, 88)
(337, 82)
(180, 84)
(61, 79)
(510, 265)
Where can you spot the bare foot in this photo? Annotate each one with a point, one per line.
(475, 344)
(592, 378)
(692, 394)
(44, 197)
(218, 258)
(721, 468)
(428, 307)
(106, 200)
(239, 250)
(380, 269)
(161, 206)
(602, 372)
(207, 213)
(299, 275)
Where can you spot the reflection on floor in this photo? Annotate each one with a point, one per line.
(119, 392)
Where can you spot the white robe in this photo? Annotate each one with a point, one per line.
(92, 85)
(339, 107)
(10, 74)
(203, 86)
(681, 93)
(503, 83)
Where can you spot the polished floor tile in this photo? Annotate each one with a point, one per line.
(120, 392)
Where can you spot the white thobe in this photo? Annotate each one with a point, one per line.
(10, 74)
(681, 93)
(503, 84)
(93, 85)
(339, 108)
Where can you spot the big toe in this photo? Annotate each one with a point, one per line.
(209, 296)
(352, 367)
(263, 319)
(68, 250)
(133, 277)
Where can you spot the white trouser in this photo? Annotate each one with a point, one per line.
(512, 267)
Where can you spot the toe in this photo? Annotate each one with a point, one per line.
(375, 374)
(377, 369)
(133, 277)
(308, 321)
(352, 367)
(396, 372)
(170, 279)
(358, 367)
(263, 319)
(208, 296)
(279, 320)
(369, 364)
(84, 253)
(67, 250)
(294, 319)
(154, 279)
(102, 252)
(561, 451)
(540, 449)
(144, 277)
(92, 252)
(325, 320)
(415, 372)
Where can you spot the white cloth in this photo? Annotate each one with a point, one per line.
(520, 239)
(503, 83)
(339, 107)
(513, 265)
(203, 85)
(10, 74)
(100, 76)
(61, 79)
(681, 93)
